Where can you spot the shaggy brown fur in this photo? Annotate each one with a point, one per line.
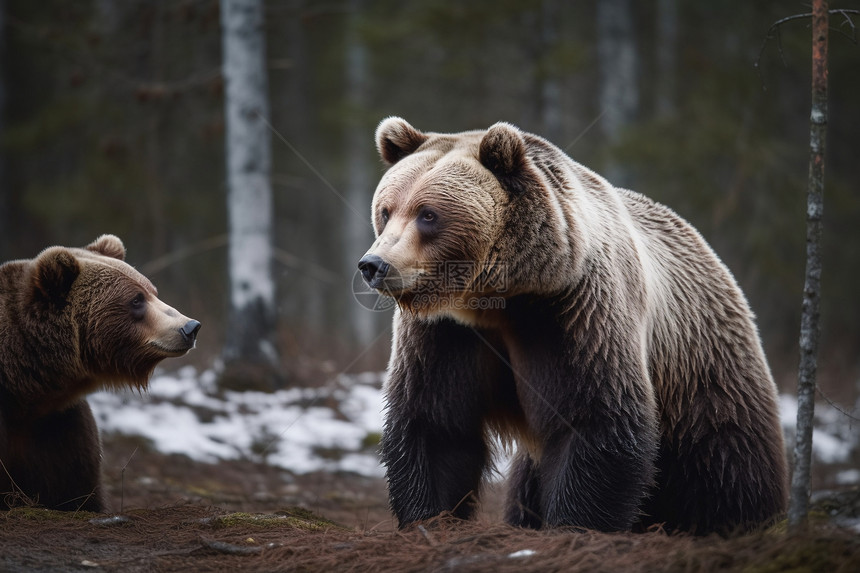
(72, 321)
(590, 325)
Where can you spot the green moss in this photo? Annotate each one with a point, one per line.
(200, 490)
(781, 527)
(812, 555)
(293, 518)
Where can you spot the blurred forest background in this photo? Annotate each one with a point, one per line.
(112, 120)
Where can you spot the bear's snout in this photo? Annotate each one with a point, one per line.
(189, 331)
(373, 270)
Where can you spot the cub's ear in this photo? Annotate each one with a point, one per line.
(395, 139)
(55, 270)
(109, 246)
(503, 153)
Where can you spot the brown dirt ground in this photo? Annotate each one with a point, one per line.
(180, 515)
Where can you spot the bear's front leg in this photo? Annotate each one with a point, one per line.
(433, 444)
(579, 482)
(588, 481)
(55, 460)
(592, 409)
(74, 481)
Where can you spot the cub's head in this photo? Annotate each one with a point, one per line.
(99, 321)
(458, 217)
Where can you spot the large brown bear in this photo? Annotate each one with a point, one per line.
(72, 321)
(588, 324)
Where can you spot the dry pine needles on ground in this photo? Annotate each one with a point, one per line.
(197, 538)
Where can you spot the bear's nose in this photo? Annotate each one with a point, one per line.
(373, 270)
(189, 331)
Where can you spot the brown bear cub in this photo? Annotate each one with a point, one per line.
(590, 326)
(72, 321)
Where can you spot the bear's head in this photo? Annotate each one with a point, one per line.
(464, 219)
(86, 319)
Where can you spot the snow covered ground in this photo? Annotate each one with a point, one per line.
(297, 429)
(334, 428)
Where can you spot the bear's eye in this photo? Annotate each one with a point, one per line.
(138, 305)
(427, 223)
(384, 216)
(427, 216)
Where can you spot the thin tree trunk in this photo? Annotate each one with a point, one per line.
(155, 138)
(249, 354)
(309, 300)
(550, 85)
(809, 329)
(358, 233)
(618, 90)
(5, 232)
(667, 56)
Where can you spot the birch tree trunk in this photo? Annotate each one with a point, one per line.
(809, 329)
(618, 90)
(250, 356)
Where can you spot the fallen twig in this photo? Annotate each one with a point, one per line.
(233, 549)
(427, 535)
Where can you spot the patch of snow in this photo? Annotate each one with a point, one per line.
(183, 413)
(830, 449)
(788, 411)
(833, 438)
(848, 477)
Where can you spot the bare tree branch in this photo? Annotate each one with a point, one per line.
(849, 22)
(776, 27)
(850, 415)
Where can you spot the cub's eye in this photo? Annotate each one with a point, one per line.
(385, 216)
(427, 216)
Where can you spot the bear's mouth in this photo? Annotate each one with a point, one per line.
(171, 351)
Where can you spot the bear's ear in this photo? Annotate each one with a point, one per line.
(395, 139)
(503, 152)
(109, 246)
(55, 271)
